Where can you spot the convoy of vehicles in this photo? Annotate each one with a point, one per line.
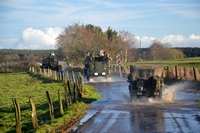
(143, 81)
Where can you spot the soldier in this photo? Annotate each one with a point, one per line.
(107, 58)
(101, 53)
(87, 61)
(87, 58)
(92, 56)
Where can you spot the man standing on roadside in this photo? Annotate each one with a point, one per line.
(87, 62)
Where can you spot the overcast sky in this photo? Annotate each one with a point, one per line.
(34, 24)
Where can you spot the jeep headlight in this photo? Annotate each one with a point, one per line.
(96, 74)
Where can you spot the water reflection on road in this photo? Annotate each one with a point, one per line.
(116, 113)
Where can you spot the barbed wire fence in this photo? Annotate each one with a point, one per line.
(46, 111)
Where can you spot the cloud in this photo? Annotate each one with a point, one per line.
(145, 41)
(37, 39)
(174, 40)
(181, 41)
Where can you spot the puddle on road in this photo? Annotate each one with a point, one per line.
(140, 115)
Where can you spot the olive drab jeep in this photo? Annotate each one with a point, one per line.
(145, 81)
(51, 62)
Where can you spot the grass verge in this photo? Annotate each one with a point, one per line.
(24, 85)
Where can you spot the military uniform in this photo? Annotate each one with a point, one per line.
(87, 62)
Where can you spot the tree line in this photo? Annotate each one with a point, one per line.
(7, 55)
(190, 51)
(27, 52)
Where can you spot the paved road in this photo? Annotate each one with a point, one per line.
(115, 113)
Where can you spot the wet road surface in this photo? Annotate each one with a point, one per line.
(115, 113)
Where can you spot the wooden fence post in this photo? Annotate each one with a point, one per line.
(54, 75)
(74, 95)
(73, 79)
(67, 75)
(58, 75)
(176, 72)
(44, 71)
(81, 84)
(33, 69)
(51, 109)
(17, 116)
(66, 97)
(63, 76)
(70, 94)
(78, 83)
(48, 72)
(50, 75)
(60, 103)
(184, 73)
(34, 115)
(195, 77)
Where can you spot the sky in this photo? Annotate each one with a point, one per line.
(34, 24)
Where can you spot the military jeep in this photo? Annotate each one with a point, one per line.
(145, 81)
(98, 66)
(51, 62)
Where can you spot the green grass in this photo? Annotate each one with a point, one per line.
(185, 62)
(24, 85)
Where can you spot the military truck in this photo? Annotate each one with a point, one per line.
(51, 62)
(145, 81)
(98, 66)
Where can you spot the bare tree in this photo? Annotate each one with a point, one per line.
(128, 41)
(160, 51)
(70, 44)
(78, 39)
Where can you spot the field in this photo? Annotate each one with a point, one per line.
(24, 85)
(185, 62)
